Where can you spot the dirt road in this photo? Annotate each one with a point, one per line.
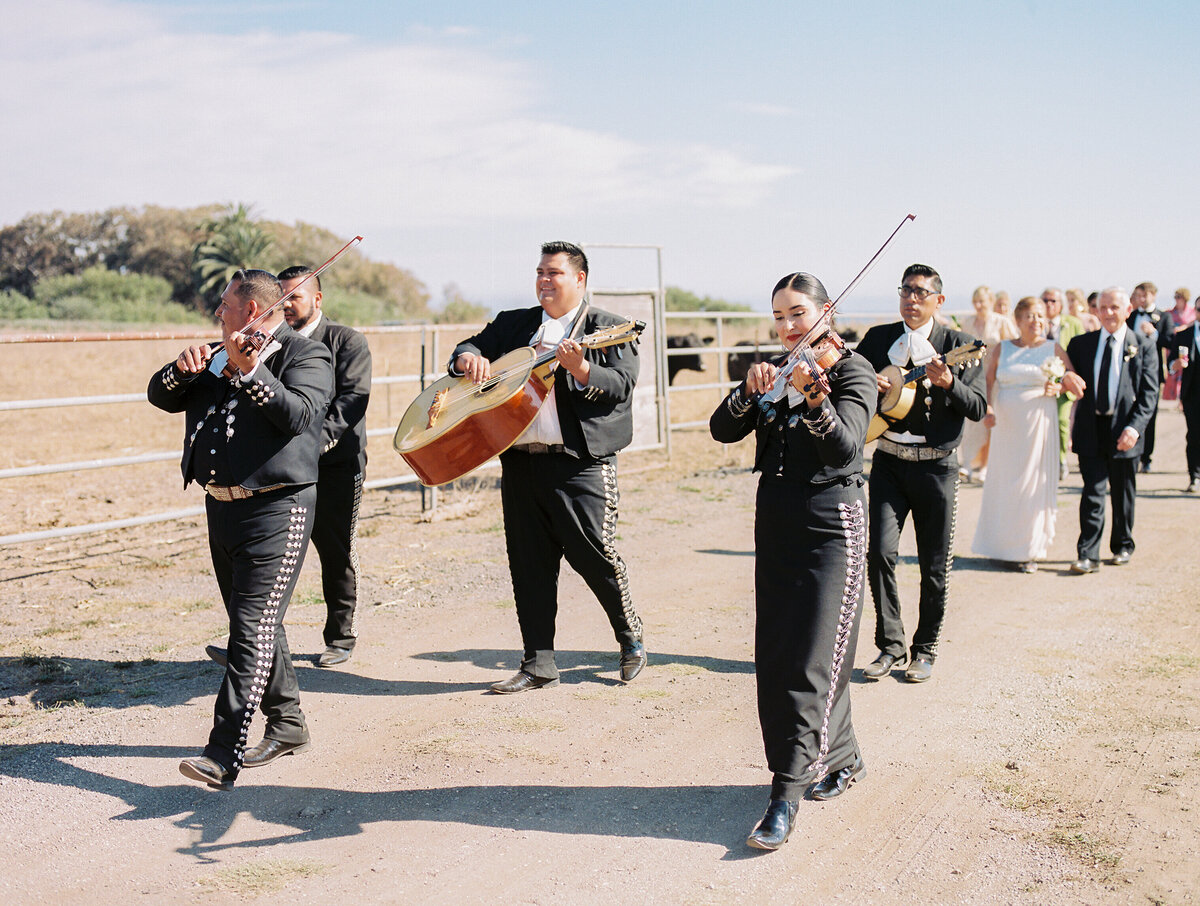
(1054, 757)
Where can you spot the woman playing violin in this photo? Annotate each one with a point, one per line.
(810, 553)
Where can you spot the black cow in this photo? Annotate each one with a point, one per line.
(689, 362)
(739, 363)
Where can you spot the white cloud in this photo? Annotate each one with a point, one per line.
(117, 107)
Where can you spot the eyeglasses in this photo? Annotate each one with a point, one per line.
(909, 292)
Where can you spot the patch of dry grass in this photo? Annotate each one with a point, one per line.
(252, 879)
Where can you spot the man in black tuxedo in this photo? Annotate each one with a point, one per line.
(1187, 339)
(253, 432)
(915, 470)
(1120, 367)
(1159, 326)
(559, 480)
(343, 458)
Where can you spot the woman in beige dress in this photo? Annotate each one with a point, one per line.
(991, 327)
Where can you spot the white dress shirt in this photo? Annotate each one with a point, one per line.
(545, 427)
(913, 347)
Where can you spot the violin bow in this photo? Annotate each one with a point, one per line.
(253, 325)
(801, 351)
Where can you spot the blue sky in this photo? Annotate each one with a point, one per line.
(1037, 143)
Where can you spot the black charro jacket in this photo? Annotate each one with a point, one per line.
(259, 433)
(785, 447)
(966, 398)
(344, 432)
(597, 420)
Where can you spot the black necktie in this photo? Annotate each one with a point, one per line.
(1102, 396)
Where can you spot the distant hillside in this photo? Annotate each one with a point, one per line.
(157, 264)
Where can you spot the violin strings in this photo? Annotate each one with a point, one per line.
(454, 395)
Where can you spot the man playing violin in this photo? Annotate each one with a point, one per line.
(254, 407)
(915, 470)
(559, 487)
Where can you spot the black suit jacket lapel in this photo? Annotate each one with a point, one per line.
(1086, 366)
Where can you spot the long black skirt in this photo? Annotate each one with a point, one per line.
(810, 554)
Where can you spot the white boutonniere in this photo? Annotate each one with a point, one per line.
(1130, 352)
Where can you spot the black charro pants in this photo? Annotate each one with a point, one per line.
(1098, 474)
(257, 548)
(809, 546)
(335, 536)
(929, 491)
(558, 506)
(1191, 417)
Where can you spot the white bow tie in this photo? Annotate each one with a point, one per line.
(548, 336)
(911, 346)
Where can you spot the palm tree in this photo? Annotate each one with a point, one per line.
(234, 241)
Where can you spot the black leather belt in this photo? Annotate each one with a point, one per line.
(225, 493)
(539, 448)
(910, 452)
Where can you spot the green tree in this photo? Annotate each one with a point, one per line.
(681, 300)
(50, 245)
(99, 294)
(457, 309)
(233, 241)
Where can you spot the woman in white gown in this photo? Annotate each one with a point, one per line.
(1016, 518)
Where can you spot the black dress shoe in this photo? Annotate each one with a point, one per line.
(1084, 565)
(220, 655)
(882, 666)
(1120, 559)
(833, 785)
(523, 682)
(270, 749)
(772, 832)
(207, 771)
(919, 670)
(331, 657)
(633, 659)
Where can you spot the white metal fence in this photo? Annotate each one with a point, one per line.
(433, 351)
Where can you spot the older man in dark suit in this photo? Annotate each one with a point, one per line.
(253, 433)
(559, 486)
(1120, 367)
(915, 470)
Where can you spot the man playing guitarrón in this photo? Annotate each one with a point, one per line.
(559, 485)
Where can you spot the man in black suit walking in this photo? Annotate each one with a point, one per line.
(1120, 366)
(559, 485)
(343, 459)
(253, 431)
(1185, 360)
(915, 470)
(1159, 326)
